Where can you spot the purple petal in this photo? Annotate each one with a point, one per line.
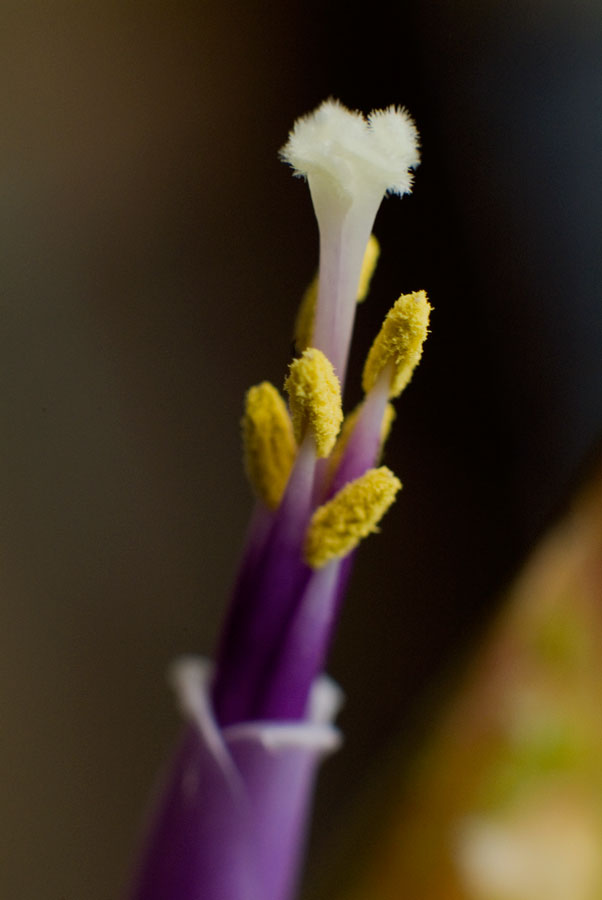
(231, 815)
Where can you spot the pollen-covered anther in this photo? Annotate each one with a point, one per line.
(338, 526)
(268, 441)
(315, 399)
(399, 343)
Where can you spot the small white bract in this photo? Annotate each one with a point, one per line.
(335, 142)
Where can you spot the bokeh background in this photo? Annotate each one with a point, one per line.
(152, 253)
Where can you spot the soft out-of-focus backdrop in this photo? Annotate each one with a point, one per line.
(152, 252)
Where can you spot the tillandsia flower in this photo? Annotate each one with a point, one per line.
(230, 820)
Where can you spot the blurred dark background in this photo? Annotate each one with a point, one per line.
(152, 253)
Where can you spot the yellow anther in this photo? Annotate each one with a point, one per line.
(269, 443)
(349, 423)
(399, 342)
(306, 315)
(338, 526)
(387, 424)
(315, 399)
(368, 266)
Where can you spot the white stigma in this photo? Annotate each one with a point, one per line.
(355, 152)
(350, 163)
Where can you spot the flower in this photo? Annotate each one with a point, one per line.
(230, 819)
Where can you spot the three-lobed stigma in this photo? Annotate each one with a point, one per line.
(353, 151)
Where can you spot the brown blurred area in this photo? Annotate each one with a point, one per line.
(141, 274)
(152, 252)
(504, 799)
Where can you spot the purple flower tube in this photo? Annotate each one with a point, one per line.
(219, 827)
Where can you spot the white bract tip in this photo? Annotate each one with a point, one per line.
(354, 151)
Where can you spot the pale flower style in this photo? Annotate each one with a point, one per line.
(350, 163)
(230, 819)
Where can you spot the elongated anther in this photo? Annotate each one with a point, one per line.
(399, 342)
(268, 441)
(368, 266)
(306, 316)
(338, 526)
(315, 399)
